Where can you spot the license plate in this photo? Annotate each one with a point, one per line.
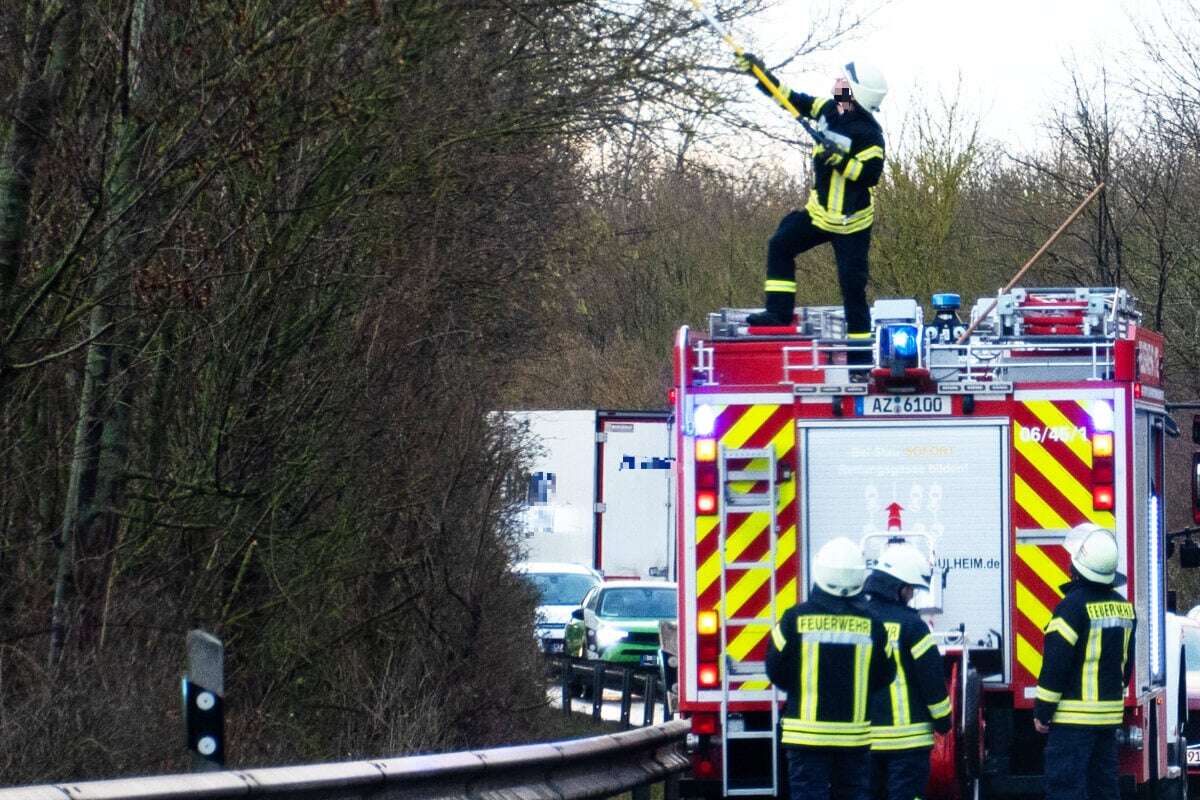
(901, 405)
(649, 660)
(1193, 756)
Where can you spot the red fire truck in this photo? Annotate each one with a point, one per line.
(984, 453)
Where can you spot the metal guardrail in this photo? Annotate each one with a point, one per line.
(576, 769)
(595, 675)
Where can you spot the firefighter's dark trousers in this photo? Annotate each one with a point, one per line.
(795, 235)
(1081, 762)
(828, 773)
(899, 774)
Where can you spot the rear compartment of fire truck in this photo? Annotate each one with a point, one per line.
(983, 455)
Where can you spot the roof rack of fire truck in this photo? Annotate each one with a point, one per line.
(1043, 334)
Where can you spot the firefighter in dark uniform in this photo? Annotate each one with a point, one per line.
(840, 207)
(1086, 663)
(905, 715)
(828, 654)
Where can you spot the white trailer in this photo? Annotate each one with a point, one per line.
(601, 490)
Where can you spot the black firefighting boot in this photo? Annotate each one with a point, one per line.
(779, 312)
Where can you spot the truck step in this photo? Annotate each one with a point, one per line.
(750, 453)
(766, 622)
(744, 668)
(749, 734)
(749, 565)
(744, 502)
(746, 475)
(759, 791)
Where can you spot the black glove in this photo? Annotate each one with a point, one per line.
(746, 61)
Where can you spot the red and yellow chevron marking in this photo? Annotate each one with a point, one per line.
(1052, 491)
(748, 592)
(1052, 478)
(1038, 572)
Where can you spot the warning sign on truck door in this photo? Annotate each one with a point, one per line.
(938, 485)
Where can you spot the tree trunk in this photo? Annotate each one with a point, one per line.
(97, 479)
(53, 52)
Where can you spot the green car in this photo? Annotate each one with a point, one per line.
(618, 622)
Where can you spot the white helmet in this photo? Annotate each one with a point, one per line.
(839, 567)
(866, 83)
(1093, 552)
(905, 563)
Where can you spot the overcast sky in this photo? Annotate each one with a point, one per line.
(1010, 54)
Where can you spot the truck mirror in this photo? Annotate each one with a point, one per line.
(1196, 488)
(577, 614)
(1189, 554)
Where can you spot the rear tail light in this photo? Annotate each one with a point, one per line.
(706, 450)
(704, 766)
(706, 501)
(1102, 445)
(707, 623)
(704, 724)
(1103, 498)
(709, 676)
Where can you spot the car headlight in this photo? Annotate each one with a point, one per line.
(607, 637)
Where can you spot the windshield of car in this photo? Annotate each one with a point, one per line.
(636, 602)
(561, 588)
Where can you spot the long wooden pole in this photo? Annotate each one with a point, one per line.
(1053, 237)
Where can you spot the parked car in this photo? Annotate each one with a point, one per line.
(561, 588)
(618, 621)
(1190, 633)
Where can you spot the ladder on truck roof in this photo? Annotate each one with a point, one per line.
(734, 501)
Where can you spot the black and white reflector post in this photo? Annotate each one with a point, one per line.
(203, 701)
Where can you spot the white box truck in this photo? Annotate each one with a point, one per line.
(601, 491)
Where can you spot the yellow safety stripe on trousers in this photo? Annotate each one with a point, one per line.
(772, 285)
(1090, 688)
(939, 710)
(901, 737)
(1059, 625)
(837, 223)
(1048, 696)
(920, 647)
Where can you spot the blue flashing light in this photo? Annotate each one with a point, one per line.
(905, 340)
(704, 420)
(1102, 415)
(946, 301)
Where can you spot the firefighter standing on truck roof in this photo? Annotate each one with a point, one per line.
(840, 207)
(1085, 669)
(828, 655)
(905, 714)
